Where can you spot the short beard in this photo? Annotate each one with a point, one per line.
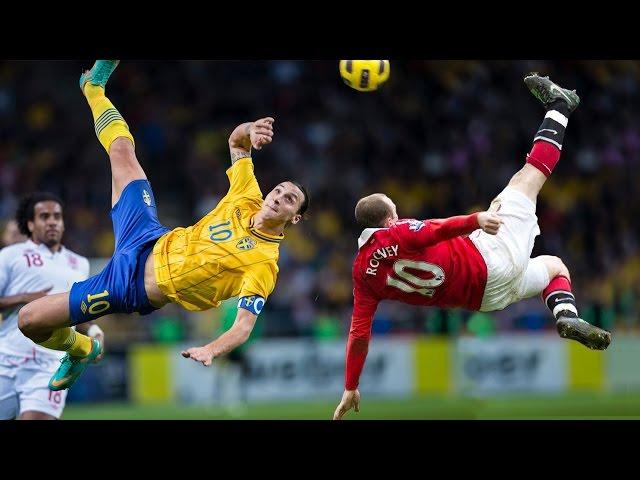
(51, 243)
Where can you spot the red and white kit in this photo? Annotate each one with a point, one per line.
(445, 263)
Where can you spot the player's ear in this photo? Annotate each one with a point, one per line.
(31, 225)
(296, 218)
(388, 222)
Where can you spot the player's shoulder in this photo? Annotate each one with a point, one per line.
(370, 236)
(268, 263)
(71, 253)
(248, 206)
(410, 224)
(240, 205)
(264, 271)
(10, 251)
(75, 258)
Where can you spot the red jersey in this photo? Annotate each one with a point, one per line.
(417, 262)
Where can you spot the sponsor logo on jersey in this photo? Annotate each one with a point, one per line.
(415, 225)
(146, 197)
(246, 243)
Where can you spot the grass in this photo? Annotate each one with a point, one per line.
(574, 406)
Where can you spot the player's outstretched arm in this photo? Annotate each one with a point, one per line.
(357, 349)
(21, 298)
(416, 235)
(232, 338)
(365, 305)
(251, 134)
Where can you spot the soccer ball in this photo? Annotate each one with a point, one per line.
(364, 75)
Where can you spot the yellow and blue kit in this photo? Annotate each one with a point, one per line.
(197, 267)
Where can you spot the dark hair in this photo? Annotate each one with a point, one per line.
(305, 204)
(372, 211)
(26, 209)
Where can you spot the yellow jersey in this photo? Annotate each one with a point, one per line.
(223, 255)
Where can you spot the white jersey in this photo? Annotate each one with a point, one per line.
(25, 268)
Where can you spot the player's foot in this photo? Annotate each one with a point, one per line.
(585, 333)
(548, 92)
(71, 367)
(99, 73)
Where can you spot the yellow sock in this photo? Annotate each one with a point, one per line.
(108, 122)
(68, 340)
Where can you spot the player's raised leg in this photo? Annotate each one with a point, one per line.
(49, 325)
(111, 129)
(559, 298)
(47, 321)
(549, 277)
(547, 143)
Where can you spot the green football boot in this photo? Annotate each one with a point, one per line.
(71, 367)
(99, 73)
(548, 92)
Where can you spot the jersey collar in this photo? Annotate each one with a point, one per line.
(264, 236)
(366, 234)
(43, 247)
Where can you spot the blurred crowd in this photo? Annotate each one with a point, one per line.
(441, 138)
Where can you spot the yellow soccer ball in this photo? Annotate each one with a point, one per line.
(364, 75)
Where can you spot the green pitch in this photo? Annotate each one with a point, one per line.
(574, 406)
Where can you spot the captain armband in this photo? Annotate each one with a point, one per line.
(253, 303)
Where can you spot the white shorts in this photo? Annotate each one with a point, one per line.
(24, 386)
(511, 274)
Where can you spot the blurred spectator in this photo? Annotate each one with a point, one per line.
(11, 234)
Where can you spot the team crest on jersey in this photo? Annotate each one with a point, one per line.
(73, 262)
(415, 225)
(246, 243)
(146, 197)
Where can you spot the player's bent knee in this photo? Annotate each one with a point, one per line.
(27, 322)
(563, 270)
(556, 267)
(528, 180)
(124, 162)
(122, 148)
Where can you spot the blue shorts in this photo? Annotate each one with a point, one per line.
(119, 288)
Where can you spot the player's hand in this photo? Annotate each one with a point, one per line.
(30, 297)
(199, 354)
(489, 222)
(261, 132)
(350, 399)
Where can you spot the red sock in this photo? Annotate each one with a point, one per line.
(557, 283)
(559, 298)
(544, 156)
